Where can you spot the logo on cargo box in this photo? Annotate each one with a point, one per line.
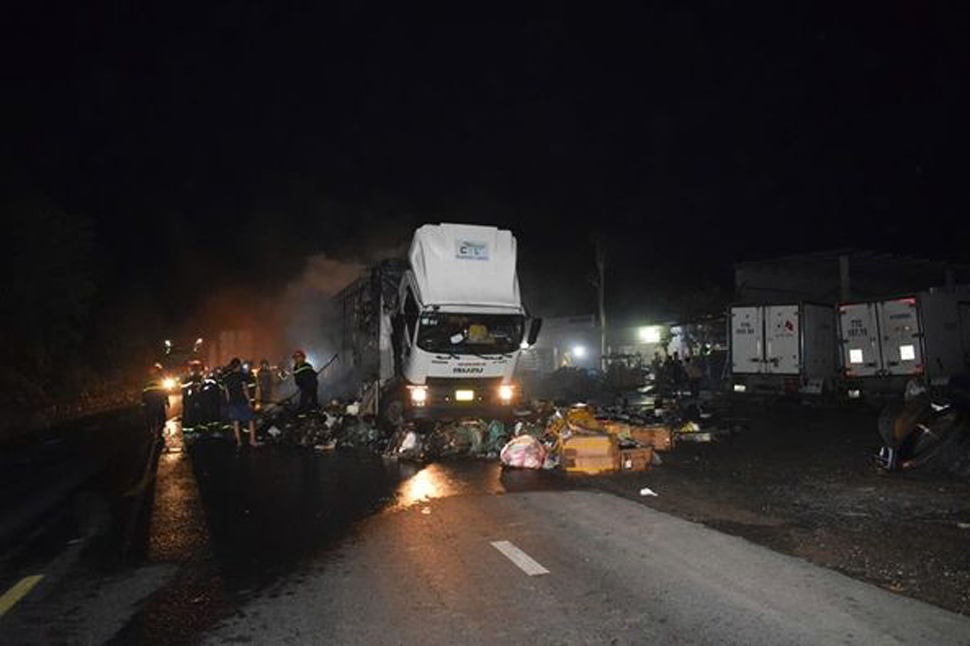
(468, 250)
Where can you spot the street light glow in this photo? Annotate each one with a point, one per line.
(579, 351)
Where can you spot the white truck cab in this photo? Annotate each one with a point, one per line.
(462, 323)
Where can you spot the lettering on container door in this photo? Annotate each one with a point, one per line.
(857, 329)
(744, 328)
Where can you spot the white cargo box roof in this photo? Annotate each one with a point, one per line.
(464, 264)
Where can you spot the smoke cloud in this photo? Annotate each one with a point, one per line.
(305, 306)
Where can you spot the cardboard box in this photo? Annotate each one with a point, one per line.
(636, 459)
(660, 438)
(599, 444)
(591, 454)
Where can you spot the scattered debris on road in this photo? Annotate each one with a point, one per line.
(580, 439)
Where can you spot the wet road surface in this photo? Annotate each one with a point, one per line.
(281, 545)
(596, 569)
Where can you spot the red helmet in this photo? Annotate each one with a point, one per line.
(299, 353)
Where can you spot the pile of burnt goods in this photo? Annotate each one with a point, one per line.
(332, 426)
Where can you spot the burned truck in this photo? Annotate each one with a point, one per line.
(437, 336)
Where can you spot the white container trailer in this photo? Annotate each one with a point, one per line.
(886, 343)
(783, 348)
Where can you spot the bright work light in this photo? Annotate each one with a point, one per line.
(650, 334)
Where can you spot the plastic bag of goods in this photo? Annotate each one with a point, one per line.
(582, 418)
(524, 452)
(497, 437)
(406, 445)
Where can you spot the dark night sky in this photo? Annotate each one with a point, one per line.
(240, 140)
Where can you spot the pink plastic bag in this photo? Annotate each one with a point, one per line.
(524, 452)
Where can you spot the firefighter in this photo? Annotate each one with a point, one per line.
(266, 382)
(249, 371)
(213, 400)
(154, 399)
(306, 380)
(192, 408)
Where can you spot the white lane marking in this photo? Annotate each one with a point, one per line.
(524, 562)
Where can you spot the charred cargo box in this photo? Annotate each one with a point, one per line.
(783, 348)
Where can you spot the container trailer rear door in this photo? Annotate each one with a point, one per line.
(747, 336)
(902, 348)
(818, 341)
(782, 347)
(859, 337)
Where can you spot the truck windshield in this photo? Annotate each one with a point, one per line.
(470, 333)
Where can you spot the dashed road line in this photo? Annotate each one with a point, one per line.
(18, 592)
(522, 560)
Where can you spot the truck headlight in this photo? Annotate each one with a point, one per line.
(419, 395)
(505, 393)
(740, 388)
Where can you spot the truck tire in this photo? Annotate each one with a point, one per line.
(887, 421)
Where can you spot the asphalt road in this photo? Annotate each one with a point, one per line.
(618, 572)
(277, 545)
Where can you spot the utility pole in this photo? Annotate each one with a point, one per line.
(601, 289)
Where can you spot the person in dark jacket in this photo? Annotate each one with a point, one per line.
(154, 399)
(306, 380)
(236, 382)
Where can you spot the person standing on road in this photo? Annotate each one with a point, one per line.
(240, 409)
(154, 399)
(249, 371)
(675, 372)
(306, 380)
(266, 382)
(694, 374)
